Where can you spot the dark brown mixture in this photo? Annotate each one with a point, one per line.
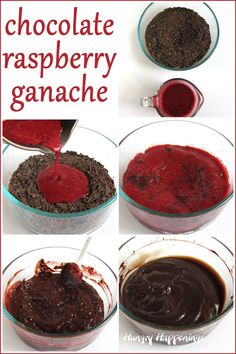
(23, 183)
(174, 291)
(55, 302)
(177, 37)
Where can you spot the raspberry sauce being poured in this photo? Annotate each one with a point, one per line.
(34, 132)
(59, 183)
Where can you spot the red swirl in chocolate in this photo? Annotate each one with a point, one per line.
(174, 291)
(55, 302)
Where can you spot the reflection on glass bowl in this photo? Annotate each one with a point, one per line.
(184, 133)
(85, 141)
(139, 250)
(23, 268)
(203, 9)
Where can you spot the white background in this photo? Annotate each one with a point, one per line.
(220, 113)
(140, 77)
(67, 77)
(132, 76)
(129, 225)
(11, 224)
(220, 340)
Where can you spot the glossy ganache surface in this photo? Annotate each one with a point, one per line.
(174, 291)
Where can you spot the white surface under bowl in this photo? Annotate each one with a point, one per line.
(202, 8)
(85, 141)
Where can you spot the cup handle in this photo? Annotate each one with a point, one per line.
(147, 101)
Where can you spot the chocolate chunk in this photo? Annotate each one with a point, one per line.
(71, 275)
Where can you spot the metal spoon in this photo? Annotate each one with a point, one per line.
(71, 273)
(68, 127)
(84, 248)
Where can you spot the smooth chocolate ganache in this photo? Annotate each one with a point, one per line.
(55, 302)
(174, 291)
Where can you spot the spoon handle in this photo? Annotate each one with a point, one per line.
(84, 248)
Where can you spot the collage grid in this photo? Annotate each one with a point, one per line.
(100, 197)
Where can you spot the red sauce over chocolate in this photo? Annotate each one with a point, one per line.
(55, 302)
(58, 184)
(176, 179)
(69, 185)
(174, 291)
(177, 100)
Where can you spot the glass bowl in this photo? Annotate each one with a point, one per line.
(203, 9)
(184, 133)
(139, 250)
(23, 268)
(83, 140)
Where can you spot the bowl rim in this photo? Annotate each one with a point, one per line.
(61, 215)
(180, 327)
(168, 67)
(57, 335)
(171, 215)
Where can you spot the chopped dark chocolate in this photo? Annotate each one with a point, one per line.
(23, 183)
(177, 37)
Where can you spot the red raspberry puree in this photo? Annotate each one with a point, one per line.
(34, 132)
(176, 179)
(61, 183)
(177, 100)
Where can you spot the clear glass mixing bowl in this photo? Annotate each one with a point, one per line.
(141, 249)
(23, 268)
(184, 133)
(83, 140)
(202, 8)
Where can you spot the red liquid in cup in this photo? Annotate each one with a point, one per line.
(176, 99)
